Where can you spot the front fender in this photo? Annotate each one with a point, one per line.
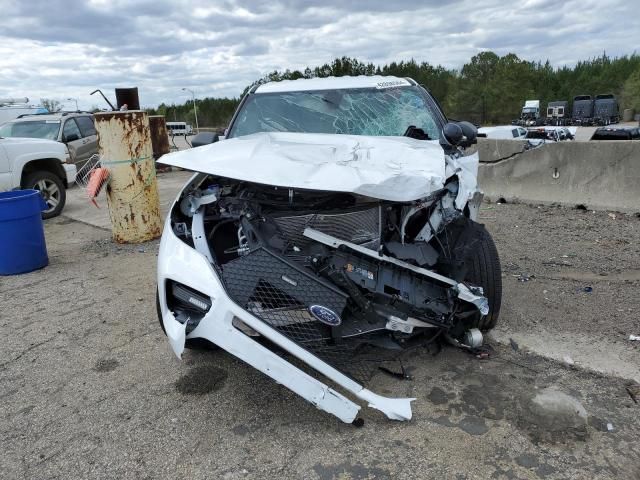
(20, 161)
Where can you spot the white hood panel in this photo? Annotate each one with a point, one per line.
(388, 168)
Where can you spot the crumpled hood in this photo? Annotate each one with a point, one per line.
(388, 168)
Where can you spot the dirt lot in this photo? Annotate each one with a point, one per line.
(89, 386)
(571, 280)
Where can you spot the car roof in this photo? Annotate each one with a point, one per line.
(48, 116)
(334, 83)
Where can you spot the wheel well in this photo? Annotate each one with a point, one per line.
(52, 165)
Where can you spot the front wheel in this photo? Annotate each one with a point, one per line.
(469, 254)
(483, 270)
(52, 190)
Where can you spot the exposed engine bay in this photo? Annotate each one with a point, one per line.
(337, 273)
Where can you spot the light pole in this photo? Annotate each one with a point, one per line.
(75, 100)
(195, 109)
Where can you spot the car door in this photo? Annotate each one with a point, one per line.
(5, 171)
(72, 137)
(89, 134)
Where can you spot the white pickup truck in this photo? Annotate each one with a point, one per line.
(38, 164)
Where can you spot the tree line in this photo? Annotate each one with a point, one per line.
(489, 89)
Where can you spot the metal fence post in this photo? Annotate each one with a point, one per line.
(124, 146)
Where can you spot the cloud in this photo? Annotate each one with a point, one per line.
(64, 48)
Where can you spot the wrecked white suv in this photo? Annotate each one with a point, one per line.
(334, 227)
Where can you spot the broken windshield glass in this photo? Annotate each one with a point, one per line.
(41, 129)
(369, 111)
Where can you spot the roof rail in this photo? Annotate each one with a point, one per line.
(63, 114)
(69, 112)
(32, 114)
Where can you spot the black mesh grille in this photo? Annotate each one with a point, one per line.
(280, 294)
(358, 360)
(361, 227)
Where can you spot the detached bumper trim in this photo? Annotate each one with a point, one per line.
(179, 262)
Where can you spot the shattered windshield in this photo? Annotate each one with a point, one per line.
(366, 111)
(46, 129)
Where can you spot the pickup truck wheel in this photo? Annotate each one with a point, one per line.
(52, 190)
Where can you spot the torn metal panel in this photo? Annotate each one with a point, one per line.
(218, 326)
(308, 271)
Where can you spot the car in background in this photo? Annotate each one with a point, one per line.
(505, 132)
(42, 165)
(537, 136)
(75, 129)
(616, 133)
(564, 133)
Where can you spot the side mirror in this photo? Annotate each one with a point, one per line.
(452, 133)
(460, 134)
(71, 138)
(204, 138)
(470, 134)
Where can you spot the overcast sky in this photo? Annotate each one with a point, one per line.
(66, 48)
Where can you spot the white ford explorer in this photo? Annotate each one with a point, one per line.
(336, 224)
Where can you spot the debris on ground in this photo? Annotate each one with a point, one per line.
(633, 389)
(402, 374)
(587, 289)
(634, 338)
(514, 345)
(562, 263)
(568, 360)
(524, 277)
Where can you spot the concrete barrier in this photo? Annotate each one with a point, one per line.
(600, 175)
(493, 150)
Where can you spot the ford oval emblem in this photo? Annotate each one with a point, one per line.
(325, 315)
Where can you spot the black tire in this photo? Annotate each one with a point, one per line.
(483, 270)
(471, 256)
(51, 188)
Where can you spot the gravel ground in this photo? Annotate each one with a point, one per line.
(91, 389)
(571, 283)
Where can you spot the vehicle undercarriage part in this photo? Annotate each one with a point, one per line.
(339, 281)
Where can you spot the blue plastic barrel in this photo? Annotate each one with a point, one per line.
(22, 245)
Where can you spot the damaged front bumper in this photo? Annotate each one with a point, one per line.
(178, 262)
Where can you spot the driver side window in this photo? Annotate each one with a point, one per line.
(71, 129)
